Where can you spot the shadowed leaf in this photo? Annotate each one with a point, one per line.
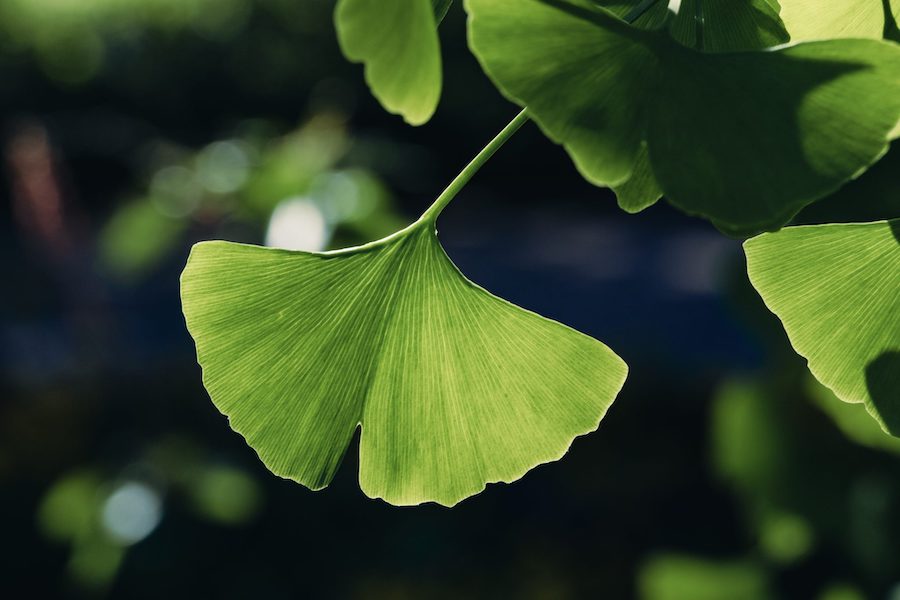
(745, 139)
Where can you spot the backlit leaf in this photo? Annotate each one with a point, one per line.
(745, 139)
(397, 41)
(836, 289)
(452, 387)
(821, 20)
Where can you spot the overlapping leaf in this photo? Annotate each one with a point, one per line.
(709, 25)
(823, 20)
(745, 139)
(397, 40)
(452, 387)
(836, 289)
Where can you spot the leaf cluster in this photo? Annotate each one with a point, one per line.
(743, 112)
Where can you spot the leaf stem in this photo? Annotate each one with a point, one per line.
(466, 174)
(434, 211)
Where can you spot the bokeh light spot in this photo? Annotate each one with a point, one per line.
(131, 512)
(297, 224)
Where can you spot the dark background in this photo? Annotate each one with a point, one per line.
(131, 129)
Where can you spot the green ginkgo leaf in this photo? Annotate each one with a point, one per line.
(397, 40)
(745, 139)
(836, 289)
(452, 387)
(823, 20)
(709, 25)
(641, 189)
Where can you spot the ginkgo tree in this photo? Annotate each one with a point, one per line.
(739, 111)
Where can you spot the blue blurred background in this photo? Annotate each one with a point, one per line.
(130, 129)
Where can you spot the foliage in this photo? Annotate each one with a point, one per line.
(697, 102)
(398, 42)
(380, 328)
(835, 288)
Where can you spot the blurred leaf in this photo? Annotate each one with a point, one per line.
(675, 577)
(70, 37)
(226, 495)
(852, 419)
(289, 167)
(94, 564)
(453, 388)
(812, 116)
(397, 41)
(741, 419)
(136, 238)
(68, 510)
(841, 591)
(784, 537)
(818, 20)
(835, 289)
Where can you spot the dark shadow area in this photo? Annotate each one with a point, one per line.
(874, 196)
(883, 382)
(769, 177)
(891, 31)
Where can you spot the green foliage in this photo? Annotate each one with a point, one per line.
(816, 20)
(453, 388)
(397, 41)
(73, 40)
(673, 577)
(700, 102)
(835, 288)
(852, 419)
(811, 117)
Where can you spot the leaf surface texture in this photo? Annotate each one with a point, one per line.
(453, 388)
(836, 289)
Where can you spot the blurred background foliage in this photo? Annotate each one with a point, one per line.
(132, 128)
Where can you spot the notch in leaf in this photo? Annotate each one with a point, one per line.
(452, 387)
(745, 139)
(836, 289)
(397, 41)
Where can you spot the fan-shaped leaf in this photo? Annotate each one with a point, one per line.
(453, 388)
(836, 288)
(397, 41)
(745, 139)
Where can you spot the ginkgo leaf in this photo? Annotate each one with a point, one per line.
(819, 20)
(641, 189)
(452, 387)
(745, 139)
(836, 289)
(725, 25)
(397, 40)
(728, 25)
